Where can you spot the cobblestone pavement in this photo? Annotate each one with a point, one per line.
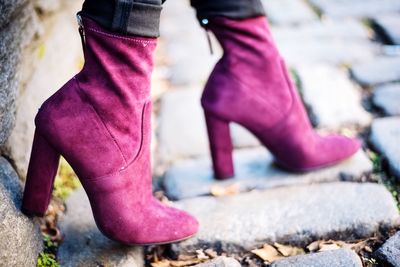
(345, 55)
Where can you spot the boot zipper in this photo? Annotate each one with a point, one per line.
(204, 23)
(81, 30)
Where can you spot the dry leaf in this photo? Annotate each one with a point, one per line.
(211, 253)
(326, 247)
(184, 263)
(186, 257)
(288, 250)
(314, 246)
(163, 263)
(268, 253)
(201, 255)
(219, 191)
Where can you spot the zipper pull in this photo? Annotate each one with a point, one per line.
(81, 30)
(204, 23)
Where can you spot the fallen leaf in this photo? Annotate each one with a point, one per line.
(211, 253)
(314, 246)
(327, 247)
(219, 191)
(185, 263)
(289, 250)
(201, 255)
(163, 263)
(268, 253)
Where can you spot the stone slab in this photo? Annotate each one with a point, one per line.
(254, 169)
(220, 262)
(356, 8)
(292, 215)
(333, 98)
(289, 12)
(333, 258)
(21, 241)
(390, 24)
(387, 98)
(14, 37)
(334, 42)
(377, 71)
(8, 8)
(52, 70)
(389, 253)
(83, 243)
(182, 130)
(385, 137)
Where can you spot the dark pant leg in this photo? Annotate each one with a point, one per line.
(235, 9)
(137, 17)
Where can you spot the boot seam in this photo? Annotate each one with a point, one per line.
(102, 122)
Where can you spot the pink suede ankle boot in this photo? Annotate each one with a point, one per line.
(250, 86)
(100, 122)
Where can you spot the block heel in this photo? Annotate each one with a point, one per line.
(42, 170)
(221, 147)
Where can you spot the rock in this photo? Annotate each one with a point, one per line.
(185, 66)
(21, 241)
(385, 137)
(220, 262)
(8, 8)
(390, 26)
(389, 253)
(333, 98)
(387, 98)
(14, 37)
(254, 169)
(333, 42)
(182, 130)
(52, 70)
(377, 71)
(333, 258)
(356, 8)
(289, 12)
(83, 243)
(292, 215)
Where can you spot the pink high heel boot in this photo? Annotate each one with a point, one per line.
(250, 86)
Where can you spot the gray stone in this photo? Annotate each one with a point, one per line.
(20, 241)
(289, 12)
(356, 8)
(333, 42)
(333, 98)
(377, 71)
(220, 262)
(254, 169)
(390, 24)
(387, 98)
(385, 136)
(14, 36)
(333, 258)
(8, 8)
(291, 215)
(182, 130)
(52, 70)
(83, 243)
(389, 253)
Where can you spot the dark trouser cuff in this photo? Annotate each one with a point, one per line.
(235, 9)
(125, 16)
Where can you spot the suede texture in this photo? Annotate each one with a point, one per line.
(250, 85)
(99, 121)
